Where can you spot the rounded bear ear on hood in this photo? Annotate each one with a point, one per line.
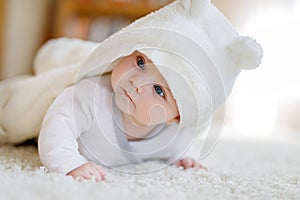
(194, 6)
(246, 53)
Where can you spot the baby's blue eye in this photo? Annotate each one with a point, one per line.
(140, 62)
(159, 90)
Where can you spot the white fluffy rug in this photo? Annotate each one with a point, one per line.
(236, 170)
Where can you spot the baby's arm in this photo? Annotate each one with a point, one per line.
(189, 159)
(58, 147)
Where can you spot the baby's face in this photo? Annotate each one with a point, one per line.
(141, 91)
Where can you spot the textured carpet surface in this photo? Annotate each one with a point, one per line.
(236, 170)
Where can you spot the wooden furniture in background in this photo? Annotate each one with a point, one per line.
(1, 35)
(75, 18)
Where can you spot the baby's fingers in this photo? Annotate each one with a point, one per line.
(186, 163)
(101, 172)
(190, 163)
(90, 175)
(197, 165)
(79, 178)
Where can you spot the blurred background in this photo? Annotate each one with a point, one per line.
(265, 103)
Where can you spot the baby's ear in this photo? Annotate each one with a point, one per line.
(194, 7)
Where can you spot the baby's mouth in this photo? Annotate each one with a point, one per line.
(126, 93)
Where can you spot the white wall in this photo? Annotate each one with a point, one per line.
(24, 31)
(266, 101)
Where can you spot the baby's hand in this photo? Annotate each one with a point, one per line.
(88, 171)
(190, 163)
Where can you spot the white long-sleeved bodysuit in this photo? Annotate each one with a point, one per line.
(83, 124)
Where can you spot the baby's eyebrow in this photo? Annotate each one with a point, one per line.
(148, 60)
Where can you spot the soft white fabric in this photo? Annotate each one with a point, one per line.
(61, 53)
(210, 54)
(25, 100)
(82, 125)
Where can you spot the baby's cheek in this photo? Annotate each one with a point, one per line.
(157, 114)
(151, 114)
(120, 73)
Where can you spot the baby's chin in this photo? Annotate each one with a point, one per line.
(147, 122)
(136, 121)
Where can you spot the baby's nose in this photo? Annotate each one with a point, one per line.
(139, 83)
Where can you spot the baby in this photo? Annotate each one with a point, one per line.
(144, 93)
(145, 102)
